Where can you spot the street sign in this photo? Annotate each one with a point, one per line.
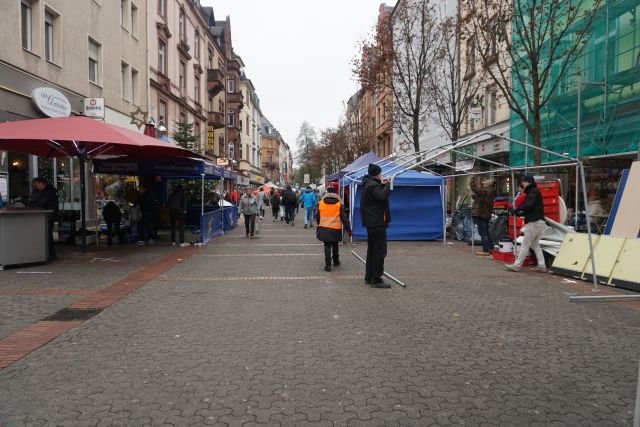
(94, 107)
(475, 112)
(307, 178)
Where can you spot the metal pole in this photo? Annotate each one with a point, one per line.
(202, 194)
(636, 416)
(600, 297)
(443, 189)
(222, 202)
(384, 273)
(593, 258)
(515, 217)
(578, 120)
(83, 201)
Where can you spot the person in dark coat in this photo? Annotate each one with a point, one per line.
(45, 196)
(481, 211)
(147, 205)
(376, 216)
(290, 201)
(331, 218)
(177, 205)
(275, 205)
(112, 217)
(533, 211)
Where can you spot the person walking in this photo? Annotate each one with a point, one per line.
(112, 217)
(308, 201)
(533, 211)
(249, 210)
(177, 205)
(376, 216)
(263, 202)
(331, 218)
(290, 202)
(45, 196)
(275, 205)
(145, 226)
(481, 211)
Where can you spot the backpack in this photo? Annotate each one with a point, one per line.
(289, 198)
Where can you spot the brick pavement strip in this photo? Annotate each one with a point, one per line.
(465, 343)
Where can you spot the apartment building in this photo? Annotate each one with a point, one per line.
(180, 52)
(69, 51)
(249, 139)
(274, 154)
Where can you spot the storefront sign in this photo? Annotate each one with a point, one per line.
(158, 168)
(223, 162)
(51, 102)
(210, 138)
(492, 147)
(242, 180)
(94, 107)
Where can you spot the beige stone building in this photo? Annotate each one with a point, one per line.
(70, 50)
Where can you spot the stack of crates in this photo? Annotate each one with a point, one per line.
(550, 191)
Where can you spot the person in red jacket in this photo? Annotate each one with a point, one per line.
(520, 198)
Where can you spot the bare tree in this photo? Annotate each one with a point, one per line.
(401, 57)
(451, 92)
(527, 47)
(306, 142)
(337, 148)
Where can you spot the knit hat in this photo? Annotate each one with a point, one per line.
(529, 178)
(374, 170)
(331, 189)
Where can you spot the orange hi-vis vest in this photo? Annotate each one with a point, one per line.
(330, 215)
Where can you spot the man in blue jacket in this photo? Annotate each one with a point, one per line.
(308, 200)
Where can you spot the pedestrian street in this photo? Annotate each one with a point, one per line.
(255, 332)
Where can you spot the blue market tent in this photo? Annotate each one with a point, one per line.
(358, 163)
(416, 204)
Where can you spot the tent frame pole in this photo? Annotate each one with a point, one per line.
(384, 273)
(83, 201)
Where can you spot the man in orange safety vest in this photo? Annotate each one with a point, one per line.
(331, 218)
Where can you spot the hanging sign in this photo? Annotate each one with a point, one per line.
(51, 102)
(94, 107)
(475, 113)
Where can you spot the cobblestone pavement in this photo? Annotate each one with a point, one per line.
(254, 332)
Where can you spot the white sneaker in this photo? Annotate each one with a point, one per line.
(512, 267)
(539, 269)
(182, 245)
(173, 243)
(140, 243)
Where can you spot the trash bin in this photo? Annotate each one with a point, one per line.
(67, 226)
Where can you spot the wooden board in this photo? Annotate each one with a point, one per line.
(606, 254)
(573, 255)
(626, 273)
(627, 220)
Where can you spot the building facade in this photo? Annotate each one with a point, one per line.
(69, 51)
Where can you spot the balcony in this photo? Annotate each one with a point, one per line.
(216, 119)
(235, 98)
(183, 47)
(215, 82)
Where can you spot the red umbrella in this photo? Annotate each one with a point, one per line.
(84, 138)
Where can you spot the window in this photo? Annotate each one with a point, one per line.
(123, 12)
(182, 79)
(492, 107)
(231, 86)
(247, 116)
(124, 72)
(162, 56)
(162, 7)
(196, 45)
(231, 120)
(196, 133)
(182, 23)
(210, 104)
(210, 60)
(25, 17)
(48, 36)
(94, 62)
(162, 113)
(134, 19)
(270, 159)
(134, 87)
(196, 87)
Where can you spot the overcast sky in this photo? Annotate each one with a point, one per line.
(298, 55)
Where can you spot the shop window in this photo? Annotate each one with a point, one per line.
(26, 16)
(94, 61)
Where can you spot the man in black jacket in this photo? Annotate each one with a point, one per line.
(374, 211)
(177, 205)
(45, 196)
(290, 201)
(533, 211)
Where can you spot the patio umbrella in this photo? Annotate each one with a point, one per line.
(84, 138)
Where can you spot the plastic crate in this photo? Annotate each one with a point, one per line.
(510, 258)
